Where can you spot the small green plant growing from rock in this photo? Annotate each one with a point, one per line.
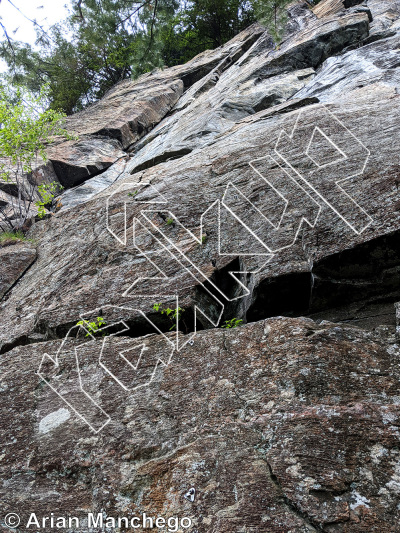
(232, 323)
(132, 194)
(92, 327)
(170, 221)
(204, 239)
(12, 236)
(47, 192)
(172, 314)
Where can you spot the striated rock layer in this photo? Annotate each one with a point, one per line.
(257, 183)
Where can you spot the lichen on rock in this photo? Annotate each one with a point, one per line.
(235, 223)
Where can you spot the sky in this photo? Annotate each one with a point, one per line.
(14, 21)
(51, 12)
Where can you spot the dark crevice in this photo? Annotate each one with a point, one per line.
(192, 77)
(290, 504)
(379, 36)
(24, 340)
(359, 285)
(9, 188)
(17, 280)
(351, 3)
(138, 327)
(54, 205)
(328, 495)
(222, 280)
(287, 295)
(162, 158)
(42, 332)
(71, 176)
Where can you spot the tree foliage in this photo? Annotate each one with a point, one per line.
(203, 25)
(104, 41)
(272, 13)
(25, 130)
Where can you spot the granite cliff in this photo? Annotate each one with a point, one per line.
(259, 183)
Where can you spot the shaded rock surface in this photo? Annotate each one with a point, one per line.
(374, 63)
(82, 266)
(257, 181)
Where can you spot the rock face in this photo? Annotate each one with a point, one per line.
(255, 182)
(263, 77)
(128, 111)
(282, 425)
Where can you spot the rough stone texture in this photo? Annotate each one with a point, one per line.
(82, 266)
(76, 161)
(328, 7)
(282, 425)
(15, 258)
(132, 108)
(80, 194)
(375, 63)
(262, 78)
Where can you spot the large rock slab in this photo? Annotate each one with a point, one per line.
(131, 109)
(269, 189)
(213, 113)
(82, 266)
(375, 63)
(106, 129)
(282, 425)
(263, 77)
